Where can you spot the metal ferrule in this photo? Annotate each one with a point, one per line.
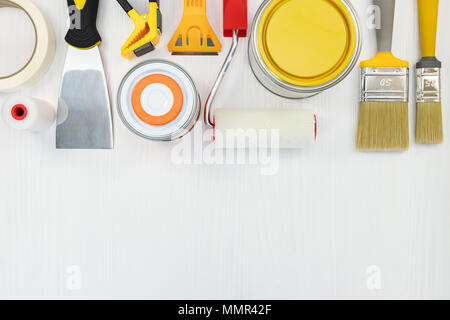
(428, 84)
(385, 84)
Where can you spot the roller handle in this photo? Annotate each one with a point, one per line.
(384, 34)
(428, 18)
(83, 33)
(235, 17)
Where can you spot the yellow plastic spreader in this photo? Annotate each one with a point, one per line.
(147, 30)
(194, 34)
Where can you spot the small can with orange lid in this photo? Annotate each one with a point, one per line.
(299, 48)
(159, 101)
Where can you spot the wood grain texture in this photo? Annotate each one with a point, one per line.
(139, 226)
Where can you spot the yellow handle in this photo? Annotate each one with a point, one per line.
(80, 4)
(428, 17)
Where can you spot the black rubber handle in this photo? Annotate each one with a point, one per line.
(83, 33)
(126, 6)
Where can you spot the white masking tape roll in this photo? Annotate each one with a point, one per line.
(44, 50)
(28, 114)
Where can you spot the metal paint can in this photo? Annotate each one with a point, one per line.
(299, 48)
(159, 101)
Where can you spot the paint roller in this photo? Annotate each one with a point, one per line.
(260, 128)
(28, 114)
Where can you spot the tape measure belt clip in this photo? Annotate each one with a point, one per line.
(147, 29)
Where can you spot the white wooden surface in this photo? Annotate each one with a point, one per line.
(137, 225)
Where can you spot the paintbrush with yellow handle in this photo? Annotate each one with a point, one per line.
(383, 123)
(429, 129)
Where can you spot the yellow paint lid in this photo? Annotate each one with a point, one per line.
(307, 42)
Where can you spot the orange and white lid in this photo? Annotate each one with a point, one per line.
(158, 100)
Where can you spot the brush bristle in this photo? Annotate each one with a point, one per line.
(383, 126)
(429, 128)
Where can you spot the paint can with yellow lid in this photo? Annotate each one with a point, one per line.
(299, 48)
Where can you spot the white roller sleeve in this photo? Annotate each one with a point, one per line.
(28, 114)
(264, 128)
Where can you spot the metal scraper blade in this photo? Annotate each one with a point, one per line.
(84, 110)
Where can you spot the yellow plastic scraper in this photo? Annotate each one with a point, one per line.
(147, 30)
(194, 35)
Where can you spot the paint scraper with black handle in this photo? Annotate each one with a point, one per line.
(84, 110)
